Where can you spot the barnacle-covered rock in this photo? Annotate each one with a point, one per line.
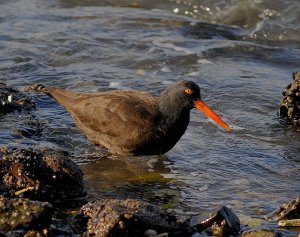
(289, 223)
(290, 102)
(20, 214)
(13, 100)
(39, 174)
(130, 217)
(16, 118)
(287, 211)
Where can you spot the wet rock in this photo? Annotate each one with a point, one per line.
(287, 211)
(289, 223)
(29, 126)
(21, 124)
(39, 174)
(17, 215)
(129, 217)
(290, 102)
(13, 100)
(261, 233)
(222, 222)
(150, 233)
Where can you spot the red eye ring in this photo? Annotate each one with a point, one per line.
(188, 91)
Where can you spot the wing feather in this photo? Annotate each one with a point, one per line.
(118, 118)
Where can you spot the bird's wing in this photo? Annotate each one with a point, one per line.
(113, 116)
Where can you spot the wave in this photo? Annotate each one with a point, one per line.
(271, 21)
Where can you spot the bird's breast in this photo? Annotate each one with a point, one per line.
(163, 136)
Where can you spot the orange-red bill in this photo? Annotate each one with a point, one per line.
(211, 114)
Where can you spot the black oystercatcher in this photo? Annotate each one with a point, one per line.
(134, 122)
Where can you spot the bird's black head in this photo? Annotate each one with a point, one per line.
(180, 96)
(192, 92)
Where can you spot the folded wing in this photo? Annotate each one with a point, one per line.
(117, 119)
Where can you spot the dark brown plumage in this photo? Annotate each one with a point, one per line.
(132, 121)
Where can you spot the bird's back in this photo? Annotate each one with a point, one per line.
(120, 120)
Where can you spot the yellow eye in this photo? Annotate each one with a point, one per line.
(188, 91)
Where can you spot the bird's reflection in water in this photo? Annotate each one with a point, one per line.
(134, 177)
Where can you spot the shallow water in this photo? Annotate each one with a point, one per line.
(241, 53)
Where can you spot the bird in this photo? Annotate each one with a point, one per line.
(134, 122)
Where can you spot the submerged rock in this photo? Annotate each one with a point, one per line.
(287, 211)
(40, 175)
(290, 102)
(21, 215)
(13, 100)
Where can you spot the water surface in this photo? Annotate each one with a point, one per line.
(241, 53)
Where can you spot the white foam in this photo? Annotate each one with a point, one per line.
(165, 69)
(236, 127)
(193, 74)
(114, 84)
(170, 45)
(204, 61)
(167, 82)
(118, 85)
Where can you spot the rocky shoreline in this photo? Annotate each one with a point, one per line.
(37, 184)
(290, 102)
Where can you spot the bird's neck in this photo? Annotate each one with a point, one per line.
(172, 114)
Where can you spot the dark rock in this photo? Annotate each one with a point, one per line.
(287, 211)
(23, 214)
(290, 102)
(40, 175)
(129, 217)
(223, 222)
(13, 100)
(261, 233)
(80, 223)
(25, 125)
(18, 121)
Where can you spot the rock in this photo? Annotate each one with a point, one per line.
(40, 175)
(290, 102)
(130, 217)
(287, 211)
(150, 232)
(289, 223)
(222, 222)
(19, 214)
(18, 121)
(29, 126)
(13, 100)
(261, 233)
